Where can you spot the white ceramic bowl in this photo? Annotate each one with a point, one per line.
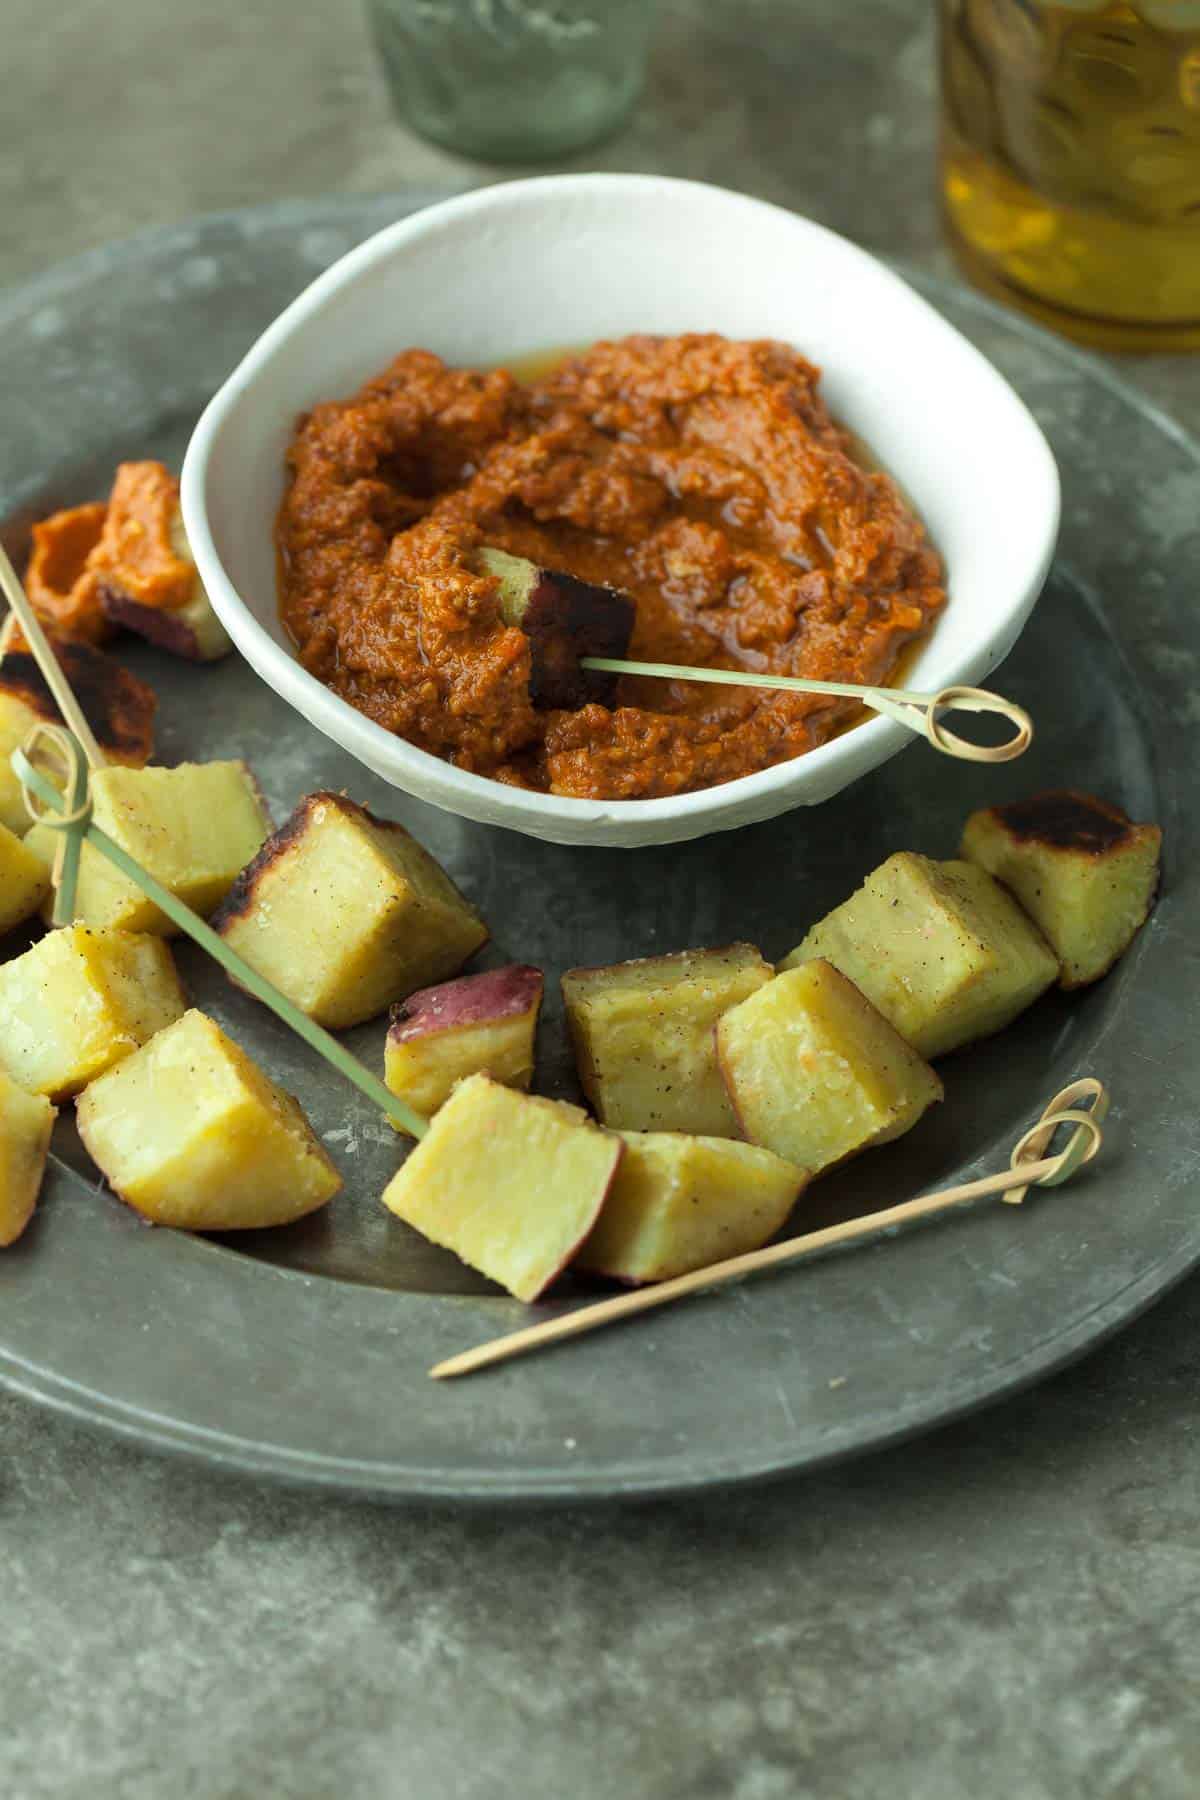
(511, 270)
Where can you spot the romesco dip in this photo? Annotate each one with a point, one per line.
(702, 477)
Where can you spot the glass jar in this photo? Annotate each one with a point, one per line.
(513, 80)
(1070, 161)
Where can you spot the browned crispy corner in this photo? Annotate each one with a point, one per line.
(1064, 819)
(116, 704)
(240, 897)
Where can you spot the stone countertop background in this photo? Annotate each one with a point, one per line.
(1008, 1609)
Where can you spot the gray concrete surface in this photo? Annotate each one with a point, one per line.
(1007, 1610)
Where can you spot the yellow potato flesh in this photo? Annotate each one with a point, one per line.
(943, 952)
(679, 1203)
(816, 1073)
(350, 916)
(510, 1182)
(193, 828)
(643, 1036)
(80, 1001)
(191, 1133)
(26, 1122)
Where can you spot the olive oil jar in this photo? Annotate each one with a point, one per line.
(1070, 161)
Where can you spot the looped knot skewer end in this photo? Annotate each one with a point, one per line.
(1082, 1145)
(55, 786)
(53, 754)
(977, 700)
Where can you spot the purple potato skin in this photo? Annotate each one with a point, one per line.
(159, 625)
(468, 1000)
(566, 619)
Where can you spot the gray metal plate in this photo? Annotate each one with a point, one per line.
(302, 1353)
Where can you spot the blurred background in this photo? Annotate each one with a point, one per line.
(138, 111)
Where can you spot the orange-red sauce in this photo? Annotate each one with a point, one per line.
(701, 476)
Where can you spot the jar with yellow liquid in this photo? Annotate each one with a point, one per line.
(1070, 163)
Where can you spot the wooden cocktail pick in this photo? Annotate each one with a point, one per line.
(579, 632)
(65, 872)
(1027, 1158)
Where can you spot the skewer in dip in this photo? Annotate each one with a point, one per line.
(703, 478)
(578, 633)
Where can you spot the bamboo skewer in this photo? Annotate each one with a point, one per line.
(918, 712)
(48, 663)
(1046, 1171)
(65, 872)
(74, 822)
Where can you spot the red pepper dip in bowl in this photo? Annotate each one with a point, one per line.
(703, 477)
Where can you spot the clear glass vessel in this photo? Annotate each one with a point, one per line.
(513, 80)
(1070, 162)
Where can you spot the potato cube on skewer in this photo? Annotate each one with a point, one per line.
(118, 707)
(346, 913)
(939, 947)
(144, 571)
(191, 1133)
(24, 880)
(564, 619)
(26, 1122)
(479, 1024)
(510, 1182)
(1083, 871)
(679, 1203)
(643, 1036)
(80, 1001)
(193, 828)
(816, 1073)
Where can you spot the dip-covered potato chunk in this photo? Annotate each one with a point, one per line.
(193, 827)
(81, 1001)
(145, 574)
(1083, 871)
(510, 1182)
(679, 1203)
(58, 580)
(24, 880)
(26, 1122)
(346, 913)
(190, 1132)
(939, 947)
(643, 1036)
(564, 619)
(816, 1073)
(119, 708)
(479, 1024)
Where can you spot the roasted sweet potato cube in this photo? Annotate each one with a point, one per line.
(680, 1203)
(24, 880)
(144, 571)
(80, 1001)
(816, 1073)
(510, 1182)
(118, 707)
(939, 947)
(26, 1122)
(564, 619)
(61, 588)
(643, 1036)
(191, 1133)
(346, 913)
(193, 828)
(479, 1024)
(1083, 871)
